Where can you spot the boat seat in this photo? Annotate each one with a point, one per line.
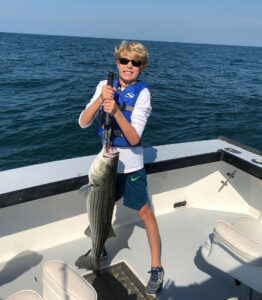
(25, 295)
(236, 249)
(60, 281)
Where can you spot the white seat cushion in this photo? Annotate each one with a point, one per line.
(60, 281)
(250, 227)
(241, 242)
(25, 295)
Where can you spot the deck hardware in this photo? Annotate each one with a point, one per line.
(232, 150)
(179, 204)
(229, 176)
(257, 161)
(237, 282)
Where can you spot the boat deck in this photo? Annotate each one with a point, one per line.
(187, 276)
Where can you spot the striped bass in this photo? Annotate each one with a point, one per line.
(100, 205)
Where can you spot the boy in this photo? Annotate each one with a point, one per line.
(128, 102)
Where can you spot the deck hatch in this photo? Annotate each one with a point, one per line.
(118, 282)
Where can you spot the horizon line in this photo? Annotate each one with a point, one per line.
(129, 39)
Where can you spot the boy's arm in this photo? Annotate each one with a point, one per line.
(128, 130)
(88, 114)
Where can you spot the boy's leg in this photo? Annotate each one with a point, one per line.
(148, 217)
(155, 282)
(136, 197)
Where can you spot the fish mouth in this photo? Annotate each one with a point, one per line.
(110, 152)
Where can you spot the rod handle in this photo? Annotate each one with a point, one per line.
(110, 78)
(110, 81)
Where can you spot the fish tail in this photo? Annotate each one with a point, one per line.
(89, 263)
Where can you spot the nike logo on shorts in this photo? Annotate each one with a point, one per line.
(135, 178)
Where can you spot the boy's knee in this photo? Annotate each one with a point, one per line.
(145, 213)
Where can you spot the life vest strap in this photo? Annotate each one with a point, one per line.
(126, 107)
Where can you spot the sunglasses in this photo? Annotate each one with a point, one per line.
(125, 61)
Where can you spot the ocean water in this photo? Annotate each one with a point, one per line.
(198, 92)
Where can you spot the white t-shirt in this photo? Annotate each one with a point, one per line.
(130, 158)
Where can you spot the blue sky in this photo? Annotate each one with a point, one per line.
(230, 22)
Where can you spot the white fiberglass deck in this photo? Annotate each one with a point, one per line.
(183, 232)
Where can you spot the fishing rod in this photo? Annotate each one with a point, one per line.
(107, 130)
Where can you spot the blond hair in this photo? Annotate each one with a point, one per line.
(135, 49)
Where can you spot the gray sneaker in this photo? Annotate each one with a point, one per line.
(155, 282)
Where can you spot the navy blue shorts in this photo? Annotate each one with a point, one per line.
(133, 186)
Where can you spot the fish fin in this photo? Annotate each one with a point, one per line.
(84, 188)
(111, 232)
(88, 232)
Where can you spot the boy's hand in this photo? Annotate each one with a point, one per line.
(107, 93)
(110, 107)
(107, 96)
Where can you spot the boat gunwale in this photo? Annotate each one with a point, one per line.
(67, 185)
(242, 146)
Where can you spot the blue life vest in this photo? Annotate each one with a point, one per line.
(126, 101)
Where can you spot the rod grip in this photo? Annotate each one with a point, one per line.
(110, 78)
(110, 81)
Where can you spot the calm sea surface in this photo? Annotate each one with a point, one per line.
(198, 92)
